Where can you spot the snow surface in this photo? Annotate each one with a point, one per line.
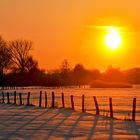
(33, 123)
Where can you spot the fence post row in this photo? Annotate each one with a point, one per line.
(3, 98)
(53, 100)
(134, 109)
(8, 101)
(28, 99)
(72, 102)
(96, 105)
(40, 99)
(20, 98)
(14, 97)
(46, 101)
(63, 102)
(111, 107)
(83, 103)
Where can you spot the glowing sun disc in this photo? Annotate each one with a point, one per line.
(113, 39)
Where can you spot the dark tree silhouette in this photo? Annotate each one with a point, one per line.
(133, 76)
(5, 58)
(65, 73)
(20, 51)
(113, 75)
(31, 65)
(65, 66)
(80, 74)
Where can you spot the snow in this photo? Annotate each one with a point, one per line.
(34, 123)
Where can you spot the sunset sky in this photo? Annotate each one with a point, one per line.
(74, 30)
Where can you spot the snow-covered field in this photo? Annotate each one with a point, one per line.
(34, 123)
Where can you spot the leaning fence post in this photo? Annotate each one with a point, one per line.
(20, 98)
(53, 100)
(8, 101)
(28, 99)
(46, 101)
(111, 107)
(83, 103)
(134, 109)
(14, 97)
(96, 105)
(40, 99)
(72, 102)
(63, 101)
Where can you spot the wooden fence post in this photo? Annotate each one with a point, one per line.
(53, 100)
(28, 99)
(14, 97)
(3, 97)
(46, 101)
(134, 109)
(20, 98)
(8, 101)
(111, 107)
(40, 99)
(83, 103)
(63, 101)
(96, 105)
(72, 102)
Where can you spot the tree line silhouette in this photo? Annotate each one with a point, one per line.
(19, 68)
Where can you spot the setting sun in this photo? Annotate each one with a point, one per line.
(113, 38)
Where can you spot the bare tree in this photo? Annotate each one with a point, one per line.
(32, 65)
(5, 57)
(65, 66)
(21, 58)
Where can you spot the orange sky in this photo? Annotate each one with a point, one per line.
(66, 29)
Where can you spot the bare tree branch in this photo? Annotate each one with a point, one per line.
(20, 50)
